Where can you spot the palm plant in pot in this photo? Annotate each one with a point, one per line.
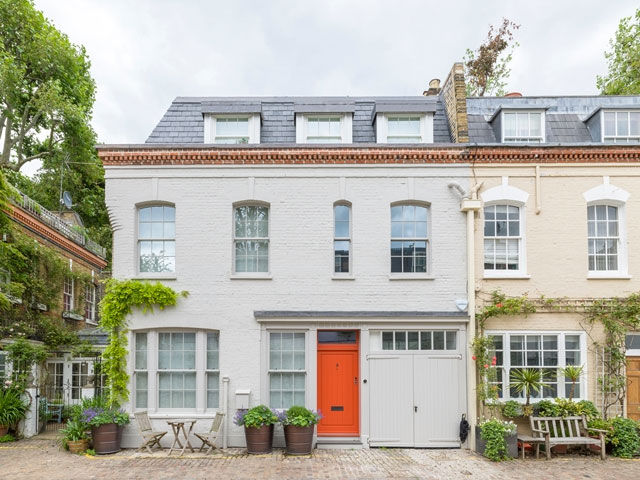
(527, 381)
(258, 425)
(12, 408)
(298, 423)
(74, 436)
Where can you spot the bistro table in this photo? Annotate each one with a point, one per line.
(179, 426)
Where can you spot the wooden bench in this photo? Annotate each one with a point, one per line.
(552, 431)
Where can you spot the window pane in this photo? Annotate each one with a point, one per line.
(609, 124)
(523, 124)
(535, 120)
(572, 342)
(634, 124)
(451, 340)
(387, 340)
(413, 340)
(509, 120)
(425, 340)
(438, 340)
(401, 340)
(622, 123)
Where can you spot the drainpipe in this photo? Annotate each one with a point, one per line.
(225, 409)
(471, 206)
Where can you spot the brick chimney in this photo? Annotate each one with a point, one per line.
(434, 88)
(454, 95)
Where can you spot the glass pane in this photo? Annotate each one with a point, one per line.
(425, 340)
(341, 213)
(401, 340)
(337, 337)
(572, 342)
(509, 120)
(634, 124)
(438, 340)
(609, 124)
(523, 124)
(533, 342)
(413, 340)
(387, 340)
(622, 122)
(535, 120)
(516, 342)
(451, 340)
(550, 342)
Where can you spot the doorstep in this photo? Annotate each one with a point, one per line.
(339, 443)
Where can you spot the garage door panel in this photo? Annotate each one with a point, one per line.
(437, 396)
(391, 400)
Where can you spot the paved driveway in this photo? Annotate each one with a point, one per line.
(40, 457)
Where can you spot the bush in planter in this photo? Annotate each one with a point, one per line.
(624, 437)
(106, 427)
(512, 409)
(494, 432)
(12, 408)
(258, 425)
(74, 436)
(298, 423)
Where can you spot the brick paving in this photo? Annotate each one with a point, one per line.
(41, 457)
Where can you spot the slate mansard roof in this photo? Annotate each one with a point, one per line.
(183, 123)
(568, 119)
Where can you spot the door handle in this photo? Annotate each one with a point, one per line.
(415, 408)
(355, 380)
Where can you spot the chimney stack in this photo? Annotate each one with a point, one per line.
(434, 88)
(455, 104)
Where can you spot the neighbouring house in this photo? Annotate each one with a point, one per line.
(323, 248)
(43, 308)
(559, 190)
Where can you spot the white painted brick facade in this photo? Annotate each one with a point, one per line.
(301, 249)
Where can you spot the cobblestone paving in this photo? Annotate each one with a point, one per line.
(41, 457)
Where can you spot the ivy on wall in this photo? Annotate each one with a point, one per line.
(121, 297)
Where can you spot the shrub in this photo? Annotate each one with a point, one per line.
(12, 407)
(74, 431)
(96, 416)
(7, 438)
(494, 432)
(256, 417)
(546, 408)
(512, 409)
(563, 407)
(299, 417)
(624, 437)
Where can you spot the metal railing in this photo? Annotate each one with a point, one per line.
(55, 222)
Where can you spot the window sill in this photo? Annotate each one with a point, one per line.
(412, 276)
(91, 322)
(142, 276)
(343, 277)
(608, 276)
(502, 276)
(236, 276)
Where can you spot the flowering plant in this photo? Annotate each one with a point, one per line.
(299, 416)
(256, 417)
(494, 431)
(96, 416)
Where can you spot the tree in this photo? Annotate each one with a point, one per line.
(487, 69)
(46, 91)
(623, 61)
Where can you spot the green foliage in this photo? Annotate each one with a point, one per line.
(623, 60)
(501, 305)
(624, 437)
(7, 438)
(512, 409)
(300, 417)
(563, 407)
(483, 347)
(600, 424)
(256, 417)
(487, 69)
(74, 431)
(573, 374)
(121, 296)
(23, 355)
(527, 381)
(12, 407)
(494, 432)
(90, 451)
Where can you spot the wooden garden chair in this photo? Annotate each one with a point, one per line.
(150, 437)
(211, 437)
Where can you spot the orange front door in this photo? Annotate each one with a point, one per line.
(338, 396)
(633, 387)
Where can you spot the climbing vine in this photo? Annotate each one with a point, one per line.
(121, 296)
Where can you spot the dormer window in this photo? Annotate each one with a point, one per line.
(621, 127)
(232, 129)
(522, 127)
(404, 128)
(323, 128)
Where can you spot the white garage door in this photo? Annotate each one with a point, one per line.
(417, 397)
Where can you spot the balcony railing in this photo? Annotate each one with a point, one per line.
(55, 222)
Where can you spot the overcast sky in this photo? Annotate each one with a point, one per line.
(144, 53)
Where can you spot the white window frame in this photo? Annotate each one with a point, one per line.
(506, 364)
(140, 371)
(633, 352)
(426, 126)
(236, 274)
(179, 371)
(270, 371)
(446, 332)
(349, 238)
(346, 121)
(69, 283)
(5, 372)
(83, 378)
(428, 265)
(208, 371)
(253, 127)
(506, 194)
(618, 138)
(607, 194)
(90, 303)
(153, 336)
(520, 238)
(524, 138)
(166, 274)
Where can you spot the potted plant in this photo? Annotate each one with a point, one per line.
(572, 373)
(298, 424)
(74, 436)
(498, 439)
(106, 428)
(527, 380)
(258, 425)
(12, 408)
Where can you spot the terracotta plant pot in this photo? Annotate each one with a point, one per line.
(4, 429)
(78, 446)
(106, 438)
(259, 440)
(299, 440)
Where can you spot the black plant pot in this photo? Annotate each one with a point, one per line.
(512, 443)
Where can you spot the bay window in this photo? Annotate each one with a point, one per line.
(547, 352)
